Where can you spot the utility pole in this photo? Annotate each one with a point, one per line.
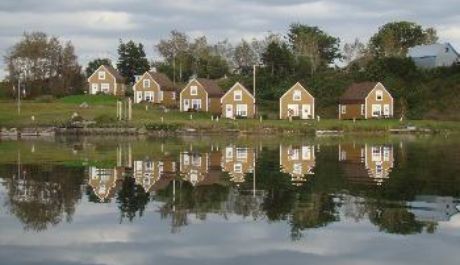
(19, 95)
(254, 79)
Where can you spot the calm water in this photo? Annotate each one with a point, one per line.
(223, 200)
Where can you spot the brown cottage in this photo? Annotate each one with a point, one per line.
(155, 88)
(238, 102)
(104, 181)
(367, 100)
(297, 161)
(201, 95)
(297, 102)
(107, 80)
(151, 175)
(366, 165)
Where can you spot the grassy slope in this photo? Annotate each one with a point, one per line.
(59, 111)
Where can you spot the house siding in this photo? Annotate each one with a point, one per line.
(371, 100)
(287, 99)
(246, 99)
(201, 94)
(109, 79)
(288, 163)
(230, 158)
(353, 111)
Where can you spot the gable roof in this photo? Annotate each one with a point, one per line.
(162, 80)
(211, 87)
(431, 50)
(243, 88)
(357, 92)
(295, 85)
(114, 73)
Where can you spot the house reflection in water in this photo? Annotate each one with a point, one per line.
(152, 174)
(201, 168)
(238, 161)
(366, 164)
(105, 181)
(297, 161)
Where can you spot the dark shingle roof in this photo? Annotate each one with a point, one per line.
(211, 87)
(115, 73)
(357, 92)
(163, 80)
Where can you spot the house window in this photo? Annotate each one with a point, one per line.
(376, 154)
(193, 90)
(229, 154)
(379, 95)
(241, 153)
(447, 49)
(297, 95)
(242, 110)
(293, 110)
(293, 154)
(238, 168)
(196, 104)
(160, 96)
(173, 95)
(297, 169)
(196, 160)
(101, 75)
(376, 110)
(306, 152)
(148, 96)
(378, 169)
(362, 109)
(238, 95)
(386, 153)
(344, 109)
(105, 87)
(186, 159)
(146, 83)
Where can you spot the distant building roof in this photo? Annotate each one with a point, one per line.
(115, 73)
(357, 92)
(431, 50)
(211, 87)
(163, 80)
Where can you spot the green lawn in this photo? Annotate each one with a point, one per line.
(59, 111)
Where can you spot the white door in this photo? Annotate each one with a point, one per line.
(229, 111)
(186, 104)
(94, 88)
(386, 110)
(138, 96)
(306, 111)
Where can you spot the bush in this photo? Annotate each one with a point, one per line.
(45, 99)
(105, 119)
(162, 126)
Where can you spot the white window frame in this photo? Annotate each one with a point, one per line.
(306, 152)
(173, 95)
(237, 95)
(242, 110)
(378, 95)
(193, 90)
(297, 95)
(293, 154)
(105, 87)
(160, 96)
(295, 109)
(376, 153)
(196, 101)
(343, 109)
(241, 153)
(101, 75)
(238, 167)
(363, 112)
(146, 83)
(376, 108)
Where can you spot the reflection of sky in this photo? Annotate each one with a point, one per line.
(95, 236)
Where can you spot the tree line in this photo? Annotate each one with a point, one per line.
(304, 53)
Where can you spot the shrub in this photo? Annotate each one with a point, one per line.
(105, 119)
(162, 126)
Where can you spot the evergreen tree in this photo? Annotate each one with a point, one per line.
(94, 64)
(132, 60)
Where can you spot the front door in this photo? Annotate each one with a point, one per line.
(138, 96)
(386, 110)
(229, 111)
(186, 104)
(94, 88)
(306, 111)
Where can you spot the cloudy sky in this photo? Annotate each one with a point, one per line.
(94, 26)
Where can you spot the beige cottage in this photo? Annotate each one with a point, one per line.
(238, 161)
(238, 102)
(156, 88)
(366, 100)
(106, 80)
(297, 102)
(297, 161)
(201, 95)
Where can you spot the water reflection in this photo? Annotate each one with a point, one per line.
(300, 184)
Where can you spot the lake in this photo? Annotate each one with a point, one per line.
(230, 200)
